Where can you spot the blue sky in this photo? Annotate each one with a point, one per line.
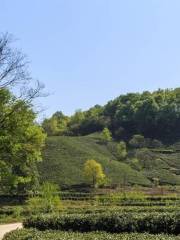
(87, 52)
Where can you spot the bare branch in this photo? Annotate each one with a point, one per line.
(14, 75)
(13, 64)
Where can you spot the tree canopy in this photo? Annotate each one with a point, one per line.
(153, 115)
(94, 172)
(21, 140)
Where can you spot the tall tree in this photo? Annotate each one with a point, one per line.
(21, 141)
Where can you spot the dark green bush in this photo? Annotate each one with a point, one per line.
(111, 222)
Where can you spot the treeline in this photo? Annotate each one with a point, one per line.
(154, 115)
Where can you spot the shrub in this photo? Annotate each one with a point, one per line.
(137, 141)
(56, 235)
(112, 222)
(48, 200)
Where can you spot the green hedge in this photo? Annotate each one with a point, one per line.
(55, 235)
(114, 223)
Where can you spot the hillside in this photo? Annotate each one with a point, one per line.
(64, 157)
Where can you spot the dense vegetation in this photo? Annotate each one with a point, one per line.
(113, 222)
(88, 203)
(21, 141)
(154, 115)
(56, 235)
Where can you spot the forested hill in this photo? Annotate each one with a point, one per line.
(154, 115)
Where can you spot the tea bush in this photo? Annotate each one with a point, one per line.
(110, 222)
(57, 235)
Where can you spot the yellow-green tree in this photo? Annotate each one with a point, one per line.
(106, 135)
(94, 172)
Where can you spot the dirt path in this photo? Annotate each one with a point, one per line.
(8, 228)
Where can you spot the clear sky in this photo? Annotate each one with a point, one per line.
(87, 52)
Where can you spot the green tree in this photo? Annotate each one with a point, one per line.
(121, 151)
(106, 135)
(21, 141)
(50, 126)
(56, 125)
(94, 172)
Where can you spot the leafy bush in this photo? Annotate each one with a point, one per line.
(48, 200)
(112, 222)
(56, 235)
(122, 198)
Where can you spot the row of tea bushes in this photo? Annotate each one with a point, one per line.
(57, 235)
(119, 209)
(10, 214)
(114, 223)
(17, 213)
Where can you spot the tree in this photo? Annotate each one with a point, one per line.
(153, 115)
(13, 69)
(94, 172)
(50, 126)
(121, 151)
(21, 138)
(56, 125)
(14, 74)
(106, 135)
(12, 64)
(21, 142)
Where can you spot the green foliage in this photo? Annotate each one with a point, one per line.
(48, 200)
(106, 135)
(121, 151)
(135, 164)
(153, 115)
(56, 125)
(65, 156)
(57, 235)
(137, 141)
(93, 171)
(145, 157)
(124, 198)
(115, 223)
(21, 141)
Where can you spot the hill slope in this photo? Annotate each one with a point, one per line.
(64, 158)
